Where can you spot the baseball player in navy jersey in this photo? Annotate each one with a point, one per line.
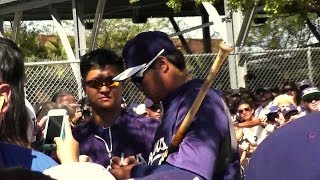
(158, 69)
(110, 131)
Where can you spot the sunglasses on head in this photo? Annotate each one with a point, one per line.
(98, 83)
(138, 77)
(240, 111)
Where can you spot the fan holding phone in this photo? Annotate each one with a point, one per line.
(54, 127)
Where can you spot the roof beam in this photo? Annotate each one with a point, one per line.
(27, 6)
(96, 23)
(7, 1)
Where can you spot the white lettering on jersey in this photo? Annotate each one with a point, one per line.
(158, 150)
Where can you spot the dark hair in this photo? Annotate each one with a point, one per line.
(246, 102)
(177, 59)
(291, 84)
(271, 117)
(59, 95)
(14, 125)
(98, 59)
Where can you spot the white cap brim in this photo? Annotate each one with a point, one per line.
(128, 73)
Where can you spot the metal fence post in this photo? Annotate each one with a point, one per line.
(310, 68)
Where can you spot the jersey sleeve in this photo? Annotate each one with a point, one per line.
(200, 147)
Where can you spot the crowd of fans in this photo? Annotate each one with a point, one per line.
(258, 113)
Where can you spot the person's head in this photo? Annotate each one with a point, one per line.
(291, 89)
(14, 119)
(275, 91)
(245, 111)
(42, 109)
(306, 83)
(98, 68)
(289, 111)
(233, 103)
(235, 95)
(311, 97)
(247, 96)
(66, 98)
(63, 97)
(283, 101)
(154, 64)
(263, 95)
(154, 110)
(273, 114)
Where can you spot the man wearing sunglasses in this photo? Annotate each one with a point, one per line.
(110, 131)
(158, 69)
(311, 98)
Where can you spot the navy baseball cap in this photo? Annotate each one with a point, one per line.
(290, 152)
(273, 109)
(288, 109)
(141, 51)
(148, 103)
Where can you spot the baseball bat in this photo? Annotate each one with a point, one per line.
(224, 50)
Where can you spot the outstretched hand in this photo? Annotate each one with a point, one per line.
(67, 149)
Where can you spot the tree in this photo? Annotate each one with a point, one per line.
(281, 32)
(114, 33)
(297, 13)
(177, 4)
(36, 45)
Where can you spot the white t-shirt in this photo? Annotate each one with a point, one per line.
(79, 170)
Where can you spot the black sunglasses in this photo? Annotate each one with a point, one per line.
(97, 84)
(240, 111)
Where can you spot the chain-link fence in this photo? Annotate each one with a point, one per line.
(267, 68)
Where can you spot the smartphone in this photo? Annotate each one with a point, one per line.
(54, 127)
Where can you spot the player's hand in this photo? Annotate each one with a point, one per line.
(118, 162)
(122, 172)
(67, 149)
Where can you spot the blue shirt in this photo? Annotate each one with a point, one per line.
(199, 149)
(131, 135)
(17, 156)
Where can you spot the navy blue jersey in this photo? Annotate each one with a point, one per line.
(200, 148)
(131, 135)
